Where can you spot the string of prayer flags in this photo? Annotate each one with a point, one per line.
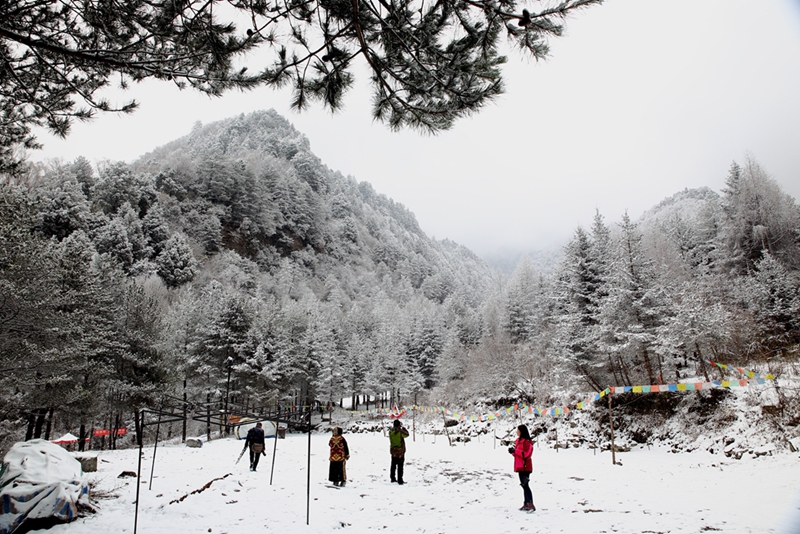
(745, 372)
(752, 377)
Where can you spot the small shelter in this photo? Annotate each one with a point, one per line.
(66, 439)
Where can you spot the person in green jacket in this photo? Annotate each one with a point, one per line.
(397, 448)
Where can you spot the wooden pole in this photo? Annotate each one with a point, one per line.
(275, 446)
(414, 420)
(308, 481)
(155, 447)
(611, 425)
(138, 478)
(208, 417)
(183, 430)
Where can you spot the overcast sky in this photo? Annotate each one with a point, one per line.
(639, 100)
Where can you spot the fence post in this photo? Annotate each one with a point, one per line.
(611, 425)
(308, 481)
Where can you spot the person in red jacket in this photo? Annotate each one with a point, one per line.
(523, 464)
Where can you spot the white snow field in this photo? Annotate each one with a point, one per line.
(467, 488)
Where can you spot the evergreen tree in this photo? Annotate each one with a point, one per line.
(424, 345)
(119, 184)
(521, 302)
(759, 218)
(698, 327)
(155, 229)
(579, 291)
(138, 372)
(63, 209)
(176, 263)
(773, 295)
(112, 241)
(83, 173)
(632, 311)
(28, 313)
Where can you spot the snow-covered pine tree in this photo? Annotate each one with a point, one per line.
(772, 295)
(632, 311)
(759, 217)
(577, 295)
(176, 262)
(520, 302)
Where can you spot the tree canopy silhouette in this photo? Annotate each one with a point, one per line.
(429, 62)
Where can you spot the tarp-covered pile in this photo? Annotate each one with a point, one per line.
(39, 480)
(244, 427)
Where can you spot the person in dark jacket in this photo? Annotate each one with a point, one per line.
(340, 453)
(523, 464)
(397, 448)
(255, 439)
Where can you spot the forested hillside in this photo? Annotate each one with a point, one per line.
(235, 249)
(233, 242)
(701, 275)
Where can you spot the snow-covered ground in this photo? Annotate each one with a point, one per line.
(467, 488)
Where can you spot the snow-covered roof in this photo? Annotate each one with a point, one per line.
(66, 438)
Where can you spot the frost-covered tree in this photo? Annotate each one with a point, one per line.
(357, 375)
(772, 294)
(83, 172)
(63, 209)
(138, 373)
(206, 228)
(759, 217)
(424, 344)
(27, 307)
(632, 311)
(112, 241)
(520, 308)
(119, 184)
(176, 263)
(155, 229)
(580, 289)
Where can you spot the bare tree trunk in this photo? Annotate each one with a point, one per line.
(613, 371)
(661, 368)
(31, 426)
(37, 430)
(648, 366)
(49, 425)
(82, 438)
(138, 427)
(716, 358)
(108, 427)
(586, 376)
(624, 372)
(702, 363)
